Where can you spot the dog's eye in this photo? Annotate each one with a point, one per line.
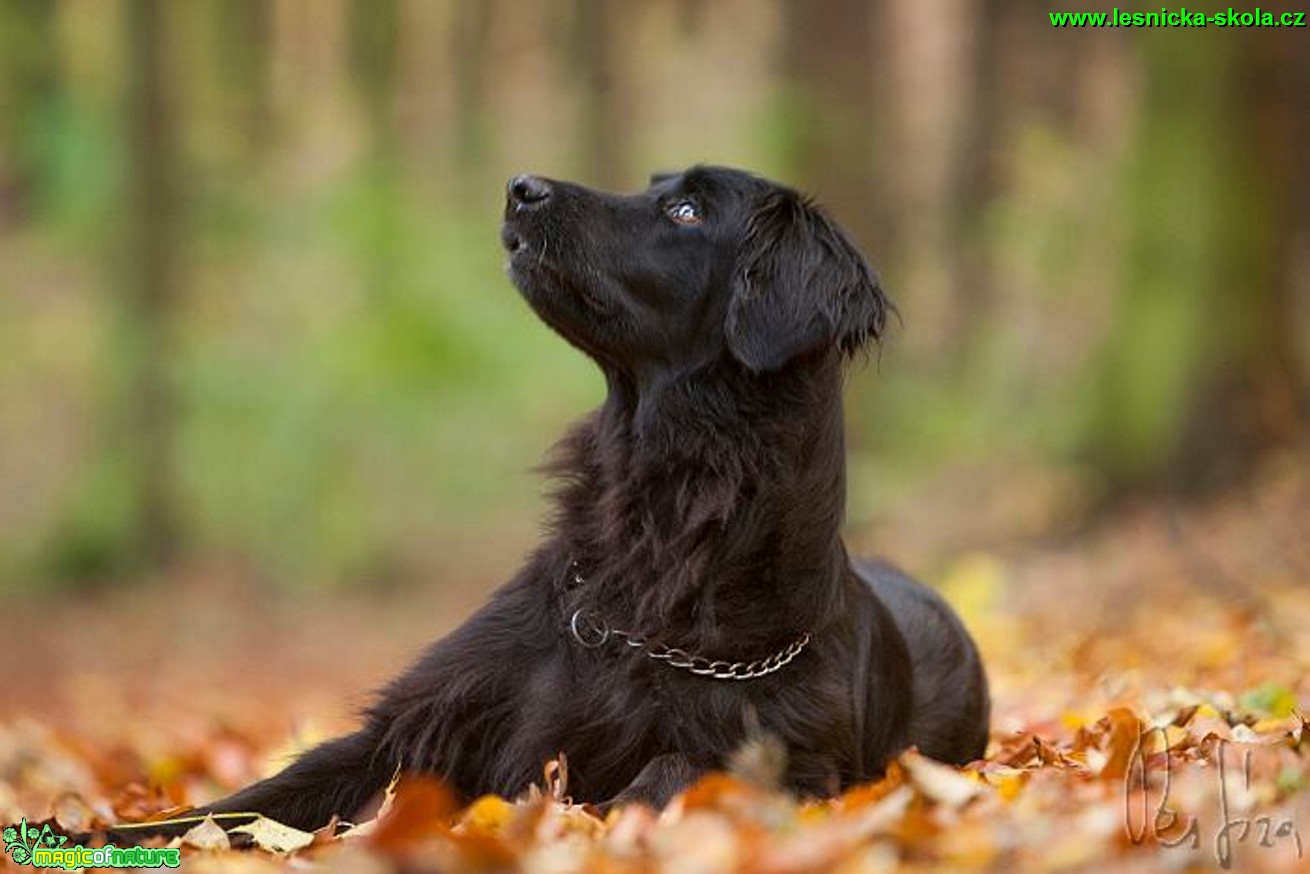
(684, 212)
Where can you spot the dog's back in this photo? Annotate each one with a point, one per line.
(951, 702)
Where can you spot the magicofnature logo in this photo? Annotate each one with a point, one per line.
(43, 847)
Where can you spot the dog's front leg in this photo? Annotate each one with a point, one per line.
(663, 777)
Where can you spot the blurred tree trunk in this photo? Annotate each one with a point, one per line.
(1251, 395)
(1200, 374)
(1277, 77)
(828, 53)
(245, 31)
(151, 287)
(597, 25)
(929, 47)
(691, 16)
(472, 41)
(980, 158)
(29, 94)
(374, 35)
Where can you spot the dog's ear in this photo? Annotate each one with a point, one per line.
(799, 286)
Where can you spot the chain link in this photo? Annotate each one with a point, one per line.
(592, 632)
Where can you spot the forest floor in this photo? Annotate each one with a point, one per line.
(1151, 681)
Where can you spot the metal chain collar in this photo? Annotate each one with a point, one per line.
(592, 632)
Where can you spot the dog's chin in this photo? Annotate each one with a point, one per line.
(540, 286)
(573, 313)
(543, 284)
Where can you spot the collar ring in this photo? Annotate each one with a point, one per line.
(588, 630)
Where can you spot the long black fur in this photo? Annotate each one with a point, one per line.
(703, 504)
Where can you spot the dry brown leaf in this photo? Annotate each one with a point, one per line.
(1123, 736)
(208, 835)
(420, 808)
(940, 783)
(271, 835)
(1068, 705)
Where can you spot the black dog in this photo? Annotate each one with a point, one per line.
(695, 588)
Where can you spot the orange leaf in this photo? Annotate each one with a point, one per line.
(871, 793)
(712, 789)
(421, 808)
(1124, 739)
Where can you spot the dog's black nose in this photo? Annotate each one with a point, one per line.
(526, 192)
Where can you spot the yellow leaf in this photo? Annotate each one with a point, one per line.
(163, 770)
(1008, 782)
(1270, 698)
(1072, 720)
(1169, 737)
(811, 812)
(489, 814)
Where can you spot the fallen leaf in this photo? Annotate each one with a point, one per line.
(209, 835)
(939, 783)
(420, 808)
(488, 815)
(275, 837)
(1124, 734)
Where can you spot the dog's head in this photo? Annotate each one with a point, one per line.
(702, 265)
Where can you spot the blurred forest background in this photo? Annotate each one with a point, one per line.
(253, 314)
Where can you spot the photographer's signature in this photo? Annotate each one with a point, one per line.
(1165, 823)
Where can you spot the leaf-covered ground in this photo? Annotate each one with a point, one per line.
(1151, 696)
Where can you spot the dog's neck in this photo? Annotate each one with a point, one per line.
(705, 510)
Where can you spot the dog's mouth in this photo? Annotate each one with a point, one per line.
(527, 252)
(527, 256)
(513, 241)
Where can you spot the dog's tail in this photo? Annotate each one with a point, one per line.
(338, 778)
